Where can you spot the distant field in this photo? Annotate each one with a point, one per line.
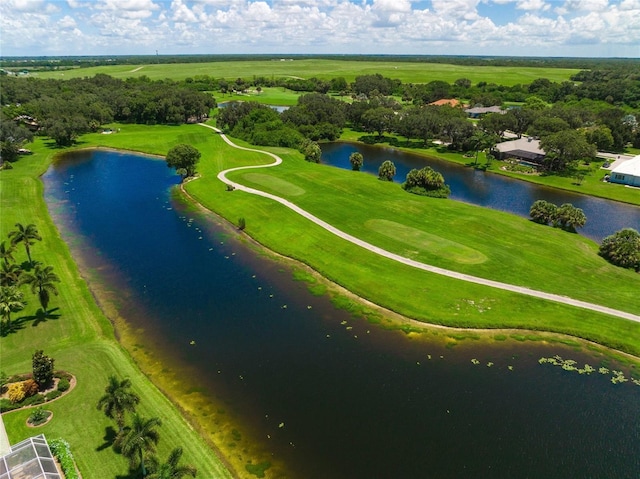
(325, 69)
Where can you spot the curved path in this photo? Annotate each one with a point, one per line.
(222, 176)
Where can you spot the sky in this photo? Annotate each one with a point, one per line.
(575, 28)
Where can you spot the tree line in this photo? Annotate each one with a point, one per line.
(63, 110)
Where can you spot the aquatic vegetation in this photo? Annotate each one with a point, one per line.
(570, 365)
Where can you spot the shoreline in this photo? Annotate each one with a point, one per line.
(397, 319)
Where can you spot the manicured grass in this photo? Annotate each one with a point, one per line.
(518, 251)
(268, 96)
(82, 342)
(325, 69)
(592, 183)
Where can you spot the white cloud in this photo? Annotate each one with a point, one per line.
(321, 26)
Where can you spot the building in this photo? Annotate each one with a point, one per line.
(453, 102)
(627, 173)
(479, 111)
(29, 459)
(525, 148)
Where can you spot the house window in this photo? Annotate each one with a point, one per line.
(619, 177)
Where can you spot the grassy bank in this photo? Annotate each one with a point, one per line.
(449, 234)
(82, 341)
(324, 69)
(591, 184)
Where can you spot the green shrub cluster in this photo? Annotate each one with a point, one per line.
(63, 385)
(61, 449)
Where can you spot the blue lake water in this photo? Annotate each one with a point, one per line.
(328, 394)
(604, 217)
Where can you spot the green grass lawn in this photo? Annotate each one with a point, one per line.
(592, 183)
(326, 70)
(82, 342)
(268, 96)
(453, 235)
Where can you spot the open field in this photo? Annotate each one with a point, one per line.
(325, 69)
(448, 234)
(82, 342)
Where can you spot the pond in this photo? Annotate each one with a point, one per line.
(325, 393)
(604, 217)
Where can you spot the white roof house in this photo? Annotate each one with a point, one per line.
(627, 173)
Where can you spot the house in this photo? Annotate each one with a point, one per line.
(479, 111)
(525, 148)
(446, 101)
(29, 459)
(627, 173)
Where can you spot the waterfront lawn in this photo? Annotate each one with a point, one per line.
(518, 250)
(591, 184)
(82, 341)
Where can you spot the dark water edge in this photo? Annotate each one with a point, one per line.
(328, 394)
(490, 190)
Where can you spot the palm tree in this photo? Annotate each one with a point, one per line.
(41, 282)
(139, 439)
(10, 274)
(6, 252)
(171, 469)
(10, 302)
(26, 235)
(117, 400)
(387, 171)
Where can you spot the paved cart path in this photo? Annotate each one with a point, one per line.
(222, 176)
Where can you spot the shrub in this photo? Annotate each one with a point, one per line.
(7, 405)
(51, 395)
(33, 400)
(242, 223)
(42, 368)
(63, 375)
(61, 449)
(63, 385)
(30, 388)
(38, 416)
(15, 392)
(622, 248)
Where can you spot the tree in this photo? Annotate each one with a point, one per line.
(171, 469)
(6, 252)
(427, 182)
(139, 439)
(12, 137)
(42, 282)
(622, 248)
(183, 156)
(543, 212)
(568, 217)
(42, 368)
(118, 400)
(10, 274)
(378, 119)
(482, 141)
(25, 235)
(11, 301)
(564, 148)
(387, 171)
(357, 160)
(311, 151)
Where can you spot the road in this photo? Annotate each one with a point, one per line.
(222, 176)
